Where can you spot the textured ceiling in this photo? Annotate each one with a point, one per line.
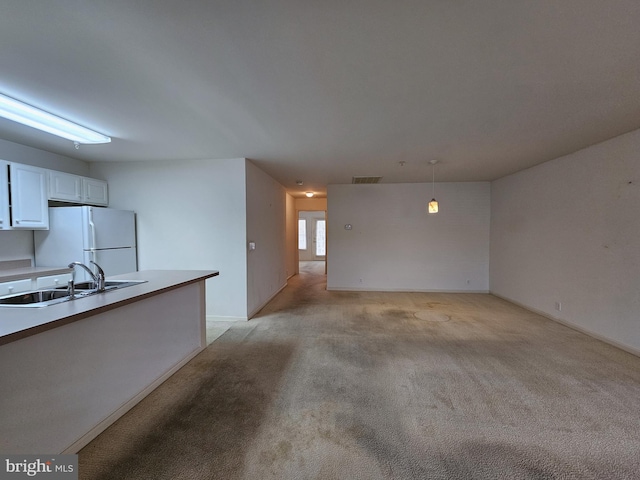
(322, 90)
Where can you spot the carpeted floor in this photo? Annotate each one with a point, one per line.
(345, 385)
(215, 329)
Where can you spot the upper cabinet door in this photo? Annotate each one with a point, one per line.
(29, 205)
(5, 223)
(96, 192)
(65, 187)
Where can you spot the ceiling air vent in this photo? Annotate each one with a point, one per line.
(365, 179)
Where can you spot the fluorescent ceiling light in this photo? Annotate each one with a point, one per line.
(36, 118)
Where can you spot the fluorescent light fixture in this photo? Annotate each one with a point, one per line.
(36, 118)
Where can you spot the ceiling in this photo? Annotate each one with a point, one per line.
(321, 91)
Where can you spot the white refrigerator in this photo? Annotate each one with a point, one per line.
(104, 235)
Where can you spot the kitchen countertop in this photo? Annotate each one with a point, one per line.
(20, 322)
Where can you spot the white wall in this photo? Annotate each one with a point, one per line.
(568, 231)
(395, 245)
(19, 244)
(266, 226)
(190, 215)
(14, 152)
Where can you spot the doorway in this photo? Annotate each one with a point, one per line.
(312, 240)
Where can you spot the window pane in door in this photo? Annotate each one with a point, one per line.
(302, 234)
(321, 238)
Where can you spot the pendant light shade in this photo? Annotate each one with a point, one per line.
(433, 204)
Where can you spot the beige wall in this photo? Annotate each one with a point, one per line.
(201, 215)
(291, 236)
(191, 215)
(311, 203)
(266, 227)
(568, 232)
(395, 245)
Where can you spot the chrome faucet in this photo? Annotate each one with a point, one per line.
(98, 279)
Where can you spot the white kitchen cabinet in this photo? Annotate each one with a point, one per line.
(5, 222)
(96, 192)
(66, 187)
(28, 190)
(17, 286)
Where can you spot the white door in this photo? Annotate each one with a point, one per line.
(311, 235)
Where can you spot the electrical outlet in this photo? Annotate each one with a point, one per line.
(559, 306)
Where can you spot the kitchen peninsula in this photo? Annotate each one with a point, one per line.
(69, 370)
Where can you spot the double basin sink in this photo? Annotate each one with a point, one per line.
(51, 296)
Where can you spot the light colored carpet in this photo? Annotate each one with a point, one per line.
(344, 385)
(215, 329)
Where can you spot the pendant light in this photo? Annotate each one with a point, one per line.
(433, 204)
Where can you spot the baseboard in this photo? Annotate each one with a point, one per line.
(219, 318)
(403, 290)
(256, 310)
(567, 323)
(83, 441)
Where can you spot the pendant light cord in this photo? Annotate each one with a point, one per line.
(433, 181)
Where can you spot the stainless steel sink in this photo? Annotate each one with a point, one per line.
(52, 296)
(108, 284)
(38, 298)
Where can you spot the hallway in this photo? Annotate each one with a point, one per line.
(369, 385)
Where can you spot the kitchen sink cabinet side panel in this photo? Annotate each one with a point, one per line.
(64, 386)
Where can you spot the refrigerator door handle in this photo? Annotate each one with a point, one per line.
(92, 227)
